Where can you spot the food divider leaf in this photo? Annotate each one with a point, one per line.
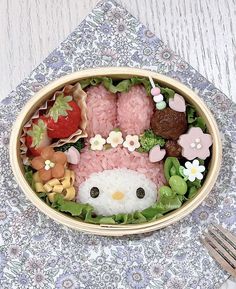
(191, 113)
(85, 82)
(29, 176)
(196, 183)
(124, 85)
(75, 209)
(107, 220)
(193, 119)
(199, 122)
(167, 93)
(108, 84)
(192, 192)
(164, 206)
(120, 86)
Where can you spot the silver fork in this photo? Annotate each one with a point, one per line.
(221, 245)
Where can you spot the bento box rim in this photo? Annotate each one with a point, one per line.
(119, 73)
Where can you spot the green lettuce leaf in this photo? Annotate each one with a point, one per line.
(124, 85)
(193, 119)
(196, 183)
(151, 213)
(193, 187)
(134, 218)
(164, 206)
(100, 220)
(191, 113)
(85, 211)
(29, 176)
(167, 93)
(75, 209)
(121, 218)
(115, 86)
(42, 195)
(192, 192)
(144, 81)
(90, 81)
(108, 84)
(199, 122)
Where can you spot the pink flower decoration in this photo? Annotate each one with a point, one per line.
(195, 144)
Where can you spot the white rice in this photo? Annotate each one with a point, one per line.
(117, 180)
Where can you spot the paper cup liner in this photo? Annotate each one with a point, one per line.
(79, 96)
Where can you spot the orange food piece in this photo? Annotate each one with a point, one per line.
(47, 153)
(50, 164)
(37, 163)
(58, 171)
(59, 158)
(45, 175)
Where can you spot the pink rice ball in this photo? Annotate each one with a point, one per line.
(101, 111)
(134, 110)
(120, 157)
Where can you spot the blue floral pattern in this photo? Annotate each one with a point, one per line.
(36, 252)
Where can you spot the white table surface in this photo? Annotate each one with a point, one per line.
(203, 32)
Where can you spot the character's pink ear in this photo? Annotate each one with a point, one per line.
(134, 110)
(101, 111)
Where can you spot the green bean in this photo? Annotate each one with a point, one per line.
(166, 191)
(171, 163)
(178, 185)
(173, 171)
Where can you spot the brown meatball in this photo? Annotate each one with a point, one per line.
(173, 149)
(168, 123)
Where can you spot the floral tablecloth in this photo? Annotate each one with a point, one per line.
(35, 252)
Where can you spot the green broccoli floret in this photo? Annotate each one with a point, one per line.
(148, 140)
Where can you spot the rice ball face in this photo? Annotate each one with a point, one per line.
(117, 191)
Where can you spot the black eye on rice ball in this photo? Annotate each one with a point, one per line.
(140, 193)
(94, 192)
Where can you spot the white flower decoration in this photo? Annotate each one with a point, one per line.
(131, 142)
(48, 165)
(97, 142)
(115, 138)
(193, 170)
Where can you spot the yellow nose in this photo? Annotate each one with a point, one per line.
(118, 196)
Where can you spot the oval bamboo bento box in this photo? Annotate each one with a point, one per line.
(118, 73)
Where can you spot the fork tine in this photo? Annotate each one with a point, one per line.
(212, 251)
(225, 242)
(227, 233)
(221, 249)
